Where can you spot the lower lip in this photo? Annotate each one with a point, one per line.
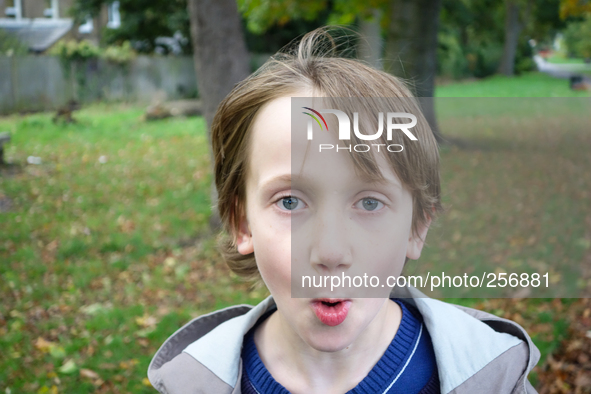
(331, 315)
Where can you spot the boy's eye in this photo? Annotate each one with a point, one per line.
(370, 204)
(290, 203)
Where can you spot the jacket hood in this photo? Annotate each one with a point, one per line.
(475, 351)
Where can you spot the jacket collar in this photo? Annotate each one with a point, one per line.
(220, 349)
(455, 333)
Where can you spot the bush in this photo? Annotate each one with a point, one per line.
(524, 61)
(484, 59)
(577, 38)
(119, 54)
(10, 45)
(452, 60)
(75, 51)
(479, 58)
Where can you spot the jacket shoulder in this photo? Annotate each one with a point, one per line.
(505, 374)
(477, 351)
(508, 372)
(171, 369)
(185, 375)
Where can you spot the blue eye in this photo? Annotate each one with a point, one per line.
(370, 204)
(290, 203)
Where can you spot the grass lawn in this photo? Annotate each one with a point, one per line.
(105, 252)
(102, 249)
(533, 84)
(558, 59)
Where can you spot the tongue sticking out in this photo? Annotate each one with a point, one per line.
(331, 313)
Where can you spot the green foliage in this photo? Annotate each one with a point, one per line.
(262, 14)
(577, 38)
(75, 51)
(120, 55)
(545, 20)
(524, 61)
(71, 51)
(144, 21)
(347, 12)
(452, 60)
(473, 60)
(10, 45)
(471, 35)
(471, 32)
(470, 38)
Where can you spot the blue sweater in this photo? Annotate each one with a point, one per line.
(408, 365)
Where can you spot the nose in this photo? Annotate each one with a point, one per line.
(331, 243)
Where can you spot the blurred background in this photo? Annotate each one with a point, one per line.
(107, 236)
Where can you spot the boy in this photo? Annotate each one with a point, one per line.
(294, 211)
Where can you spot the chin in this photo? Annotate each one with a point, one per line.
(329, 340)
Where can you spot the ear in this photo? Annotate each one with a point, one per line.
(416, 242)
(244, 237)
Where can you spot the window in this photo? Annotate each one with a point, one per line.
(86, 27)
(13, 9)
(52, 10)
(114, 15)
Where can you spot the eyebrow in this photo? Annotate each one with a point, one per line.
(395, 181)
(286, 178)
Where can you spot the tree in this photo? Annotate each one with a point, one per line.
(221, 57)
(513, 27)
(370, 46)
(411, 49)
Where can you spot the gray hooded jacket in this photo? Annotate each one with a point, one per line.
(476, 352)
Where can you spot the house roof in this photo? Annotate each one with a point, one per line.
(38, 34)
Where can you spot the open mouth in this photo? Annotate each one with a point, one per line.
(331, 311)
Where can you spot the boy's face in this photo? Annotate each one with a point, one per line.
(319, 214)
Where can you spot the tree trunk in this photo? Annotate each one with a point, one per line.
(512, 30)
(370, 43)
(221, 58)
(411, 49)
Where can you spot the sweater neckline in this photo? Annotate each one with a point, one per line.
(377, 380)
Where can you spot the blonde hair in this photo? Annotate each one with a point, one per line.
(312, 64)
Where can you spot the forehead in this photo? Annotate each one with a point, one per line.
(270, 146)
(277, 151)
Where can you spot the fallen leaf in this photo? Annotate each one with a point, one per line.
(69, 367)
(43, 344)
(146, 321)
(88, 373)
(57, 352)
(128, 364)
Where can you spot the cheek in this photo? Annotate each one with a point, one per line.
(390, 233)
(272, 250)
(275, 268)
(384, 249)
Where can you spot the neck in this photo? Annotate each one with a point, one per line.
(301, 368)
